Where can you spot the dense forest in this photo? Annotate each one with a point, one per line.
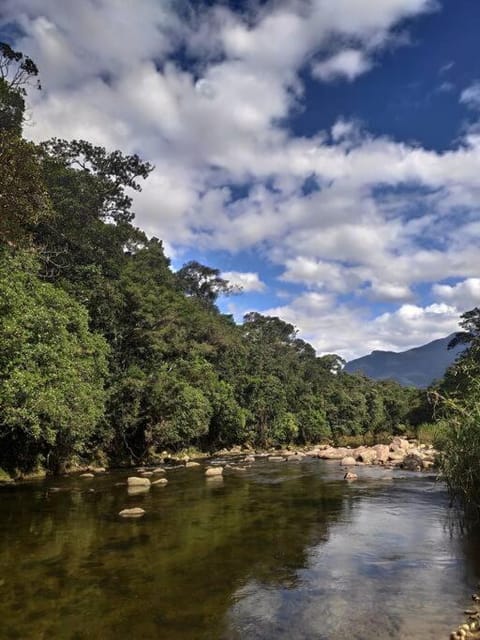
(107, 354)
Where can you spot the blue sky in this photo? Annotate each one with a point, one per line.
(324, 154)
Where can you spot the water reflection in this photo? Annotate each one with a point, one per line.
(280, 551)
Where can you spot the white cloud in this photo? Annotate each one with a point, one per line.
(471, 96)
(463, 295)
(348, 63)
(248, 281)
(220, 125)
(351, 332)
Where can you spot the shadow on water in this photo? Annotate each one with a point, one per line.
(281, 551)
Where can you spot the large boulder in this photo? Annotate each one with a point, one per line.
(396, 456)
(348, 461)
(368, 456)
(138, 482)
(412, 462)
(382, 451)
(399, 443)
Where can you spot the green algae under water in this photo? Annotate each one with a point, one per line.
(282, 551)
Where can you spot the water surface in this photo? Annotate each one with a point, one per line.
(283, 551)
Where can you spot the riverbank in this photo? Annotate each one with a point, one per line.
(399, 453)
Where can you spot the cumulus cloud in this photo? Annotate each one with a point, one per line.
(385, 215)
(247, 280)
(463, 295)
(346, 330)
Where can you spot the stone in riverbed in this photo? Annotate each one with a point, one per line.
(368, 456)
(350, 476)
(192, 465)
(138, 482)
(134, 512)
(348, 461)
(86, 475)
(396, 456)
(146, 474)
(276, 459)
(412, 462)
(249, 459)
(160, 483)
(212, 472)
(137, 491)
(382, 451)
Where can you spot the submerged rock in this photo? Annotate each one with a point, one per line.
(212, 472)
(134, 512)
(138, 482)
(137, 491)
(350, 476)
(161, 482)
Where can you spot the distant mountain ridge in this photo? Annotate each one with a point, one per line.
(417, 367)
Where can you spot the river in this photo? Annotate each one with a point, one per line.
(281, 551)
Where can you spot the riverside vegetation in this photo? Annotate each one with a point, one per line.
(107, 356)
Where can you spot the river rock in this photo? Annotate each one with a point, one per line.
(213, 472)
(161, 482)
(399, 443)
(146, 474)
(412, 462)
(350, 476)
(137, 491)
(249, 459)
(368, 456)
(276, 459)
(138, 482)
(396, 456)
(158, 471)
(382, 451)
(86, 475)
(134, 512)
(347, 461)
(334, 454)
(191, 465)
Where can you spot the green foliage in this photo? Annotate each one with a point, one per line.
(24, 200)
(51, 369)
(456, 403)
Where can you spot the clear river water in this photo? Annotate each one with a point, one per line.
(282, 551)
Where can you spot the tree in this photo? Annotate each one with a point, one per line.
(24, 200)
(203, 283)
(52, 370)
(16, 73)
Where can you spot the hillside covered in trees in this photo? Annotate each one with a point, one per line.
(106, 353)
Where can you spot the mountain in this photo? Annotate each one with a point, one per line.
(417, 367)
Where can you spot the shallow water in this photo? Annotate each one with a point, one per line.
(283, 551)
